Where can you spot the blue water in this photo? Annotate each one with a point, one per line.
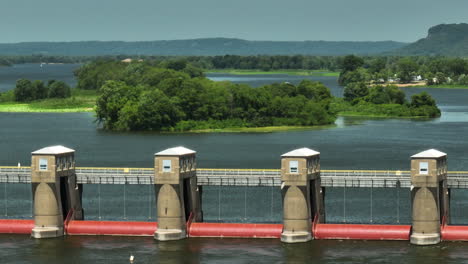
(354, 143)
(34, 71)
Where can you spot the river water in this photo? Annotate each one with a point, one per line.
(353, 143)
(34, 71)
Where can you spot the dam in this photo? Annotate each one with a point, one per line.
(57, 192)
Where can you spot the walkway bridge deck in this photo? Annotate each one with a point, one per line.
(238, 177)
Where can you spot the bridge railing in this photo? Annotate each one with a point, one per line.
(92, 175)
(15, 174)
(238, 177)
(365, 178)
(457, 179)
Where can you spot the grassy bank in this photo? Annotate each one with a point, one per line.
(80, 101)
(288, 72)
(268, 129)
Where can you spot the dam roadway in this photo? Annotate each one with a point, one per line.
(238, 177)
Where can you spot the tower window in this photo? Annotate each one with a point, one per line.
(293, 166)
(43, 164)
(167, 166)
(423, 168)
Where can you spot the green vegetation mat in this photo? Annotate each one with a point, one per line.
(32, 108)
(81, 101)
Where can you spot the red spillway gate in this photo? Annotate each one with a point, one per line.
(362, 232)
(235, 230)
(16, 226)
(454, 233)
(320, 231)
(111, 228)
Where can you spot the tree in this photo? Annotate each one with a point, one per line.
(377, 65)
(134, 72)
(389, 94)
(422, 99)
(155, 76)
(24, 91)
(282, 89)
(313, 90)
(424, 105)
(40, 89)
(50, 82)
(93, 75)
(406, 68)
(395, 94)
(355, 91)
(177, 65)
(377, 95)
(114, 96)
(153, 110)
(358, 75)
(430, 78)
(440, 77)
(463, 79)
(457, 66)
(59, 89)
(193, 71)
(351, 63)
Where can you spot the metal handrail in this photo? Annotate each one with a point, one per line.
(239, 177)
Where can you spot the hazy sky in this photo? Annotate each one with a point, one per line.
(67, 20)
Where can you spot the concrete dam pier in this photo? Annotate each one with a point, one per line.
(57, 190)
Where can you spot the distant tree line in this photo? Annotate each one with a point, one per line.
(435, 70)
(267, 63)
(26, 90)
(4, 62)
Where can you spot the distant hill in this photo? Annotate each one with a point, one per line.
(444, 39)
(200, 47)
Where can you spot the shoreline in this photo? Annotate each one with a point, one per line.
(425, 85)
(298, 72)
(359, 114)
(268, 129)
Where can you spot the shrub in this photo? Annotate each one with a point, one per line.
(59, 89)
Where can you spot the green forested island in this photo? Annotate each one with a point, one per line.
(124, 91)
(383, 101)
(175, 96)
